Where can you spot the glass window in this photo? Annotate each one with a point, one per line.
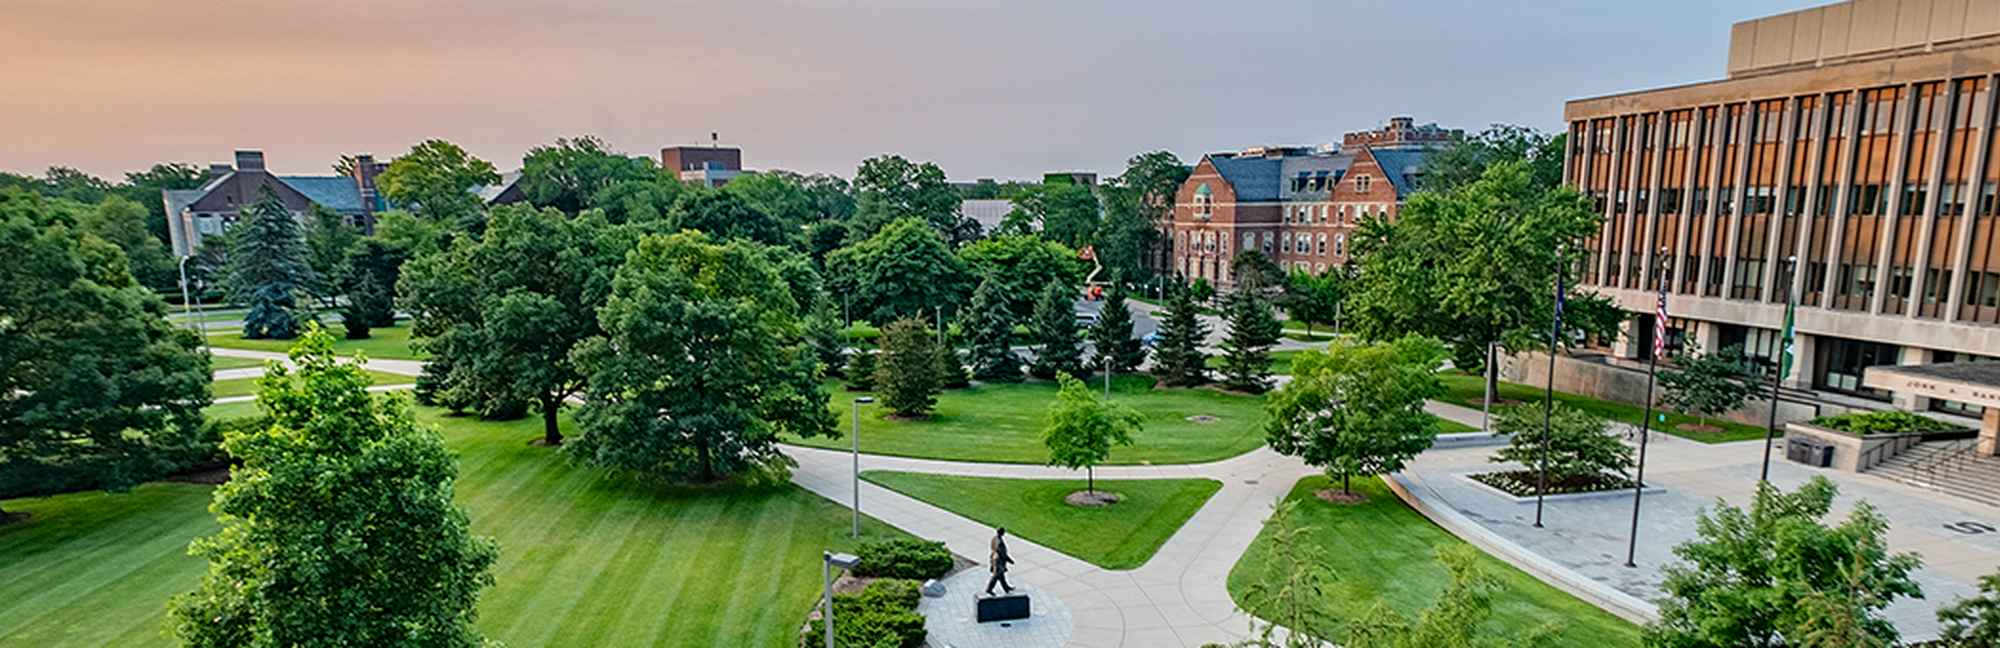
(1841, 361)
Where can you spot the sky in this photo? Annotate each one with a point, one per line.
(984, 88)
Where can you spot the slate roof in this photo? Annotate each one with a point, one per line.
(337, 193)
(1254, 179)
(179, 199)
(1401, 165)
(1330, 167)
(487, 193)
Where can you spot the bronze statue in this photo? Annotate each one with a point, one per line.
(998, 562)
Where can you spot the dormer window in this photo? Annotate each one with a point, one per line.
(1362, 182)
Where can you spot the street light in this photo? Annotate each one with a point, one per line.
(187, 304)
(828, 561)
(858, 402)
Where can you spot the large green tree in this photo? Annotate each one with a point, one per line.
(1477, 264)
(1246, 351)
(372, 270)
(1177, 356)
(1064, 213)
(905, 270)
(269, 269)
(644, 200)
(1255, 272)
(701, 365)
(1023, 266)
(991, 326)
(144, 187)
(1357, 409)
(1138, 204)
(906, 374)
(1747, 577)
(122, 223)
(889, 188)
(329, 241)
(566, 175)
(1112, 335)
(725, 215)
(1079, 430)
(1315, 299)
(435, 180)
(1465, 161)
(1708, 384)
(93, 379)
(505, 312)
(338, 525)
(1058, 347)
(1576, 445)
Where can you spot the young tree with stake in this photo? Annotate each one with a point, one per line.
(1080, 429)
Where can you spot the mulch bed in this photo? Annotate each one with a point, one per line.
(1697, 428)
(212, 476)
(1335, 497)
(10, 518)
(1521, 483)
(1092, 499)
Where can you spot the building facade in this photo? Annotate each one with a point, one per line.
(194, 214)
(1298, 206)
(1848, 161)
(709, 166)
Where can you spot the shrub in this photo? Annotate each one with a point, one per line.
(861, 371)
(916, 559)
(882, 615)
(1888, 422)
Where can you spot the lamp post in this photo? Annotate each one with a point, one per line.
(1107, 374)
(828, 561)
(187, 304)
(858, 402)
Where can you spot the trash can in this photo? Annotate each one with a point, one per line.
(1810, 452)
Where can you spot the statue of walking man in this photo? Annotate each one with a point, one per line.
(998, 561)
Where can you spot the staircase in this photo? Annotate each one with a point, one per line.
(1949, 467)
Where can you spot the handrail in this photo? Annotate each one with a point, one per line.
(1949, 459)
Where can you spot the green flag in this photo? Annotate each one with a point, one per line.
(1786, 341)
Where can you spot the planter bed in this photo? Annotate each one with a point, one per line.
(1521, 484)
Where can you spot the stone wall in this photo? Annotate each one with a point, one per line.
(1597, 379)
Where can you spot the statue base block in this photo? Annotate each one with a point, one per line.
(1003, 608)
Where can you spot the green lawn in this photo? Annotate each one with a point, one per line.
(219, 363)
(225, 411)
(248, 386)
(393, 342)
(1383, 550)
(1297, 330)
(209, 314)
(1120, 536)
(1469, 391)
(1281, 362)
(1003, 423)
(585, 559)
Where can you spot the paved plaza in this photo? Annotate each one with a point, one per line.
(951, 621)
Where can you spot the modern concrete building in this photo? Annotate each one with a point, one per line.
(1848, 159)
(1296, 205)
(709, 166)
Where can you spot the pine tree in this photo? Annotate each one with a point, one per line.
(992, 329)
(824, 335)
(1058, 347)
(860, 370)
(1246, 353)
(951, 368)
(1113, 335)
(906, 376)
(1177, 358)
(268, 268)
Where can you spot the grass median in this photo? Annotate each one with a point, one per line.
(1118, 536)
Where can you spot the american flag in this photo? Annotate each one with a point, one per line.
(1660, 323)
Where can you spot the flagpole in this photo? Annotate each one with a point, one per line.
(1646, 423)
(1777, 373)
(1549, 398)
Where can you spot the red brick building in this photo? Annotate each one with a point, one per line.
(1296, 205)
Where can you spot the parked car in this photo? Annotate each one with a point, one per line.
(1086, 319)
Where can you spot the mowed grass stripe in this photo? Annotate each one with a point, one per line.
(568, 564)
(671, 567)
(531, 551)
(611, 588)
(141, 533)
(66, 596)
(158, 579)
(753, 564)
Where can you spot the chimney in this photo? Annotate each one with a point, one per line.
(365, 170)
(249, 160)
(1401, 123)
(218, 170)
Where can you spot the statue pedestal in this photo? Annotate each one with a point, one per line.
(1003, 608)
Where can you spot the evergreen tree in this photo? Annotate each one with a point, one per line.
(991, 326)
(1246, 353)
(338, 527)
(1113, 335)
(1058, 348)
(906, 376)
(268, 268)
(1177, 357)
(951, 368)
(372, 270)
(828, 342)
(861, 370)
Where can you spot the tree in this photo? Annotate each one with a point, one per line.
(144, 187)
(122, 223)
(409, 235)
(1314, 299)
(1063, 213)
(725, 216)
(904, 270)
(889, 188)
(1746, 577)
(268, 269)
(781, 195)
(1201, 290)
(568, 174)
(907, 373)
(372, 270)
(1707, 384)
(1177, 357)
(329, 241)
(1477, 264)
(1974, 620)
(1079, 429)
(1455, 619)
(1146, 189)
(1357, 409)
(94, 381)
(1465, 161)
(647, 200)
(951, 368)
(1112, 335)
(1057, 347)
(507, 312)
(829, 343)
(338, 526)
(1024, 266)
(1246, 353)
(1577, 445)
(861, 370)
(991, 326)
(1257, 273)
(435, 180)
(700, 367)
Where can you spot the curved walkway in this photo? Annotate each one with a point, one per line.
(1180, 597)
